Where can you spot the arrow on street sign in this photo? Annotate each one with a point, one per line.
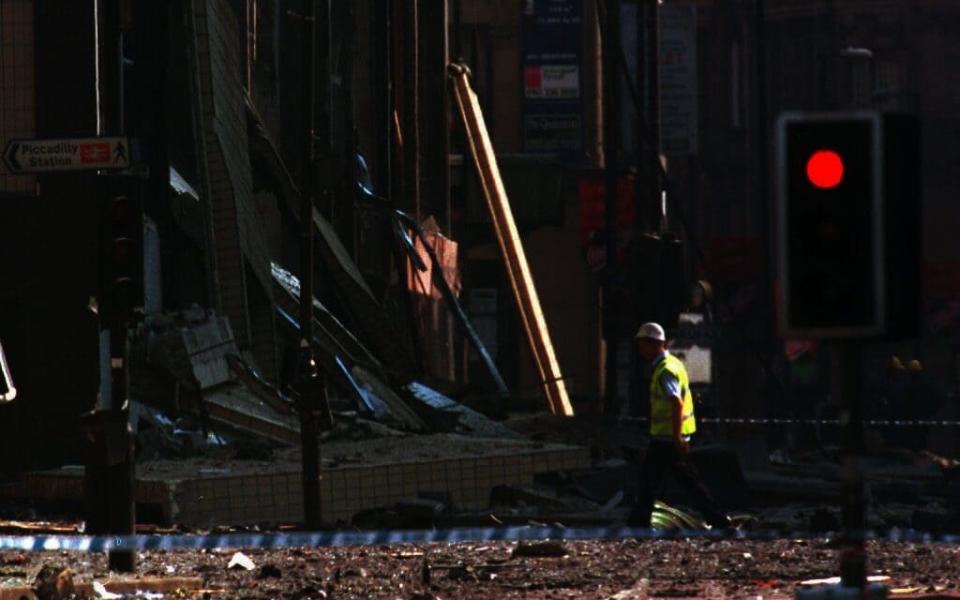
(69, 154)
(10, 157)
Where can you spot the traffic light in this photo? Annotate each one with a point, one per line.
(660, 282)
(121, 249)
(848, 192)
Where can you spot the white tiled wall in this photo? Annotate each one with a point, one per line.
(272, 498)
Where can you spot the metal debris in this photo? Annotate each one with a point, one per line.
(447, 411)
(241, 561)
(668, 517)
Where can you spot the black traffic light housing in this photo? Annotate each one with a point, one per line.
(848, 204)
(661, 283)
(121, 248)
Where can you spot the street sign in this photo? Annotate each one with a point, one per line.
(73, 154)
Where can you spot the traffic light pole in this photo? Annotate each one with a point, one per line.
(109, 476)
(849, 258)
(122, 476)
(109, 468)
(852, 552)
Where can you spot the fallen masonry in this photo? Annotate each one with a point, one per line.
(356, 476)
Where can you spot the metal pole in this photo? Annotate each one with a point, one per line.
(411, 109)
(852, 552)
(762, 141)
(406, 78)
(308, 372)
(121, 472)
(435, 144)
(764, 210)
(653, 181)
(611, 148)
(382, 94)
(114, 453)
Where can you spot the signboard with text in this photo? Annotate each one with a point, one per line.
(72, 154)
(678, 76)
(678, 79)
(552, 49)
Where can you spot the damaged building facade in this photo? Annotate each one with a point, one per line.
(411, 295)
(211, 96)
(210, 93)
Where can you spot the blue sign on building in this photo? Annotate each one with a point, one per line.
(552, 45)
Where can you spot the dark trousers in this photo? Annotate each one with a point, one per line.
(662, 458)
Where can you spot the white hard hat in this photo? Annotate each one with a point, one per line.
(651, 331)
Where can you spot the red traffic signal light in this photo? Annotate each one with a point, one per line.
(848, 197)
(825, 169)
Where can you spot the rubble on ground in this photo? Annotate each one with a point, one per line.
(599, 570)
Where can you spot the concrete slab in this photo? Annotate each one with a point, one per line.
(238, 407)
(356, 476)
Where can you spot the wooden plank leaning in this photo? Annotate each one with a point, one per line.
(511, 247)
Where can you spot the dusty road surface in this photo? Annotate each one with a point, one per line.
(621, 569)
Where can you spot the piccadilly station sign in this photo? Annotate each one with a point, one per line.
(74, 154)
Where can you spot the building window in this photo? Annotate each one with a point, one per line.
(17, 91)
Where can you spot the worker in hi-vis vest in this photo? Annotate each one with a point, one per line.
(671, 425)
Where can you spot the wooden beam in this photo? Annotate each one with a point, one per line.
(511, 247)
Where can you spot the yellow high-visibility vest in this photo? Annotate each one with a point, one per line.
(661, 405)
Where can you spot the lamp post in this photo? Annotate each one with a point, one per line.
(854, 56)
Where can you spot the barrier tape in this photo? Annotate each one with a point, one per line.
(273, 541)
(838, 422)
